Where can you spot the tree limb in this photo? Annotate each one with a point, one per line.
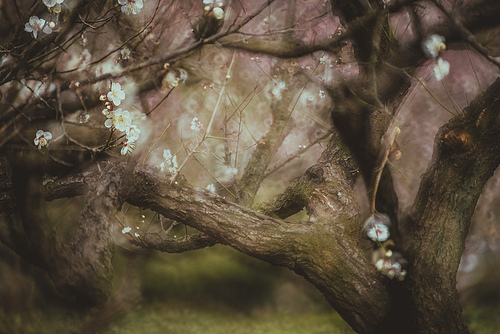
(465, 157)
(164, 243)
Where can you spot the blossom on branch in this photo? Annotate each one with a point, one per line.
(116, 94)
(119, 119)
(433, 45)
(196, 125)
(377, 227)
(441, 69)
(390, 263)
(42, 138)
(128, 147)
(218, 13)
(35, 24)
(54, 6)
(170, 164)
(131, 6)
(378, 232)
(132, 131)
(211, 188)
(230, 171)
(325, 60)
(125, 53)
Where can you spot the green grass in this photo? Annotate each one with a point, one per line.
(483, 318)
(182, 319)
(209, 291)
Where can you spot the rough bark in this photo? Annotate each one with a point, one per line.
(82, 268)
(324, 250)
(465, 157)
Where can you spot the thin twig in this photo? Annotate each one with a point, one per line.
(211, 121)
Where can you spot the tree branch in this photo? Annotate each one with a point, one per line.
(164, 243)
(465, 157)
(335, 167)
(325, 252)
(267, 145)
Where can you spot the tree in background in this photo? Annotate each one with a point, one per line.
(231, 116)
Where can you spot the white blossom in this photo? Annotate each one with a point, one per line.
(182, 75)
(126, 230)
(42, 138)
(83, 117)
(208, 2)
(52, 3)
(171, 80)
(116, 94)
(128, 147)
(53, 6)
(196, 125)
(278, 90)
(125, 53)
(378, 232)
(325, 60)
(131, 6)
(137, 235)
(119, 119)
(85, 58)
(377, 227)
(230, 171)
(218, 13)
(170, 164)
(132, 131)
(433, 45)
(83, 41)
(211, 188)
(441, 69)
(322, 94)
(35, 24)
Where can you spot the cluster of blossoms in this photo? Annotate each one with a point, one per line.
(432, 46)
(120, 119)
(42, 138)
(128, 229)
(196, 125)
(211, 188)
(170, 164)
(390, 263)
(131, 6)
(386, 261)
(326, 60)
(215, 7)
(36, 24)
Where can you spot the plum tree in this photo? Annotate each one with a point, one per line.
(232, 116)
